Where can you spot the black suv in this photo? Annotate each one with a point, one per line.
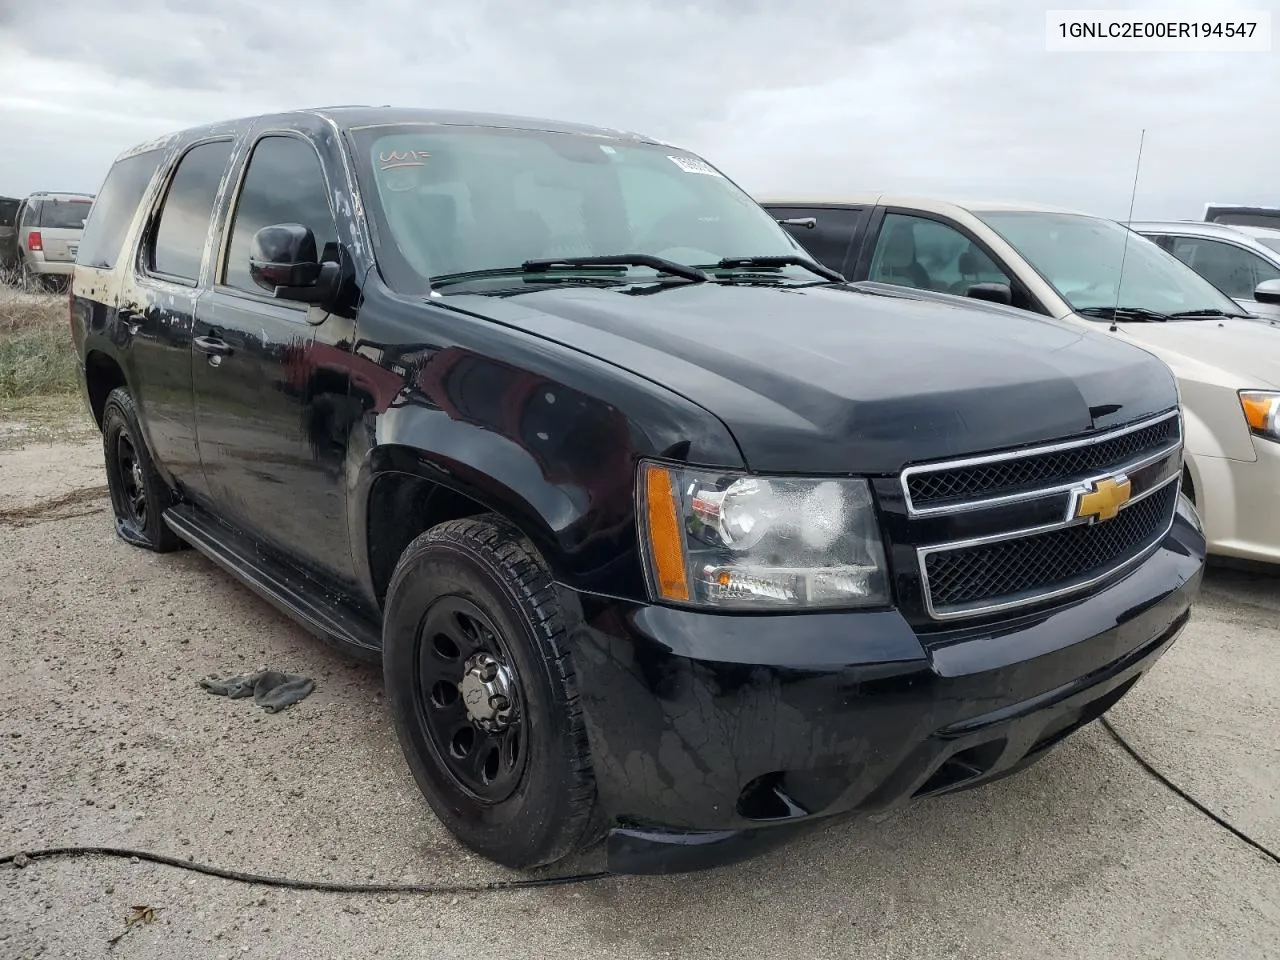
(662, 533)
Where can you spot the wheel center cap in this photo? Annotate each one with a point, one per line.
(485, 689)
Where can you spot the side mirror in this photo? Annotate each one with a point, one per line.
(284, 262)
(1268, 291)
(991, 292)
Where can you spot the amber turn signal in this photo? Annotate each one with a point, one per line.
(1262, 410)
(666, 545)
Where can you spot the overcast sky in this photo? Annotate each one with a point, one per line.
(951, 97)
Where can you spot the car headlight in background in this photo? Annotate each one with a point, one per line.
(1262, 410)
(727, 540)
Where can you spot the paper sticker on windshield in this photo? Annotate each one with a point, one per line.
(694, 165)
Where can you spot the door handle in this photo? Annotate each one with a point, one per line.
(129, 316)
(212, 346)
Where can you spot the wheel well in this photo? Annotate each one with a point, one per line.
(402, 506)
(101, 376)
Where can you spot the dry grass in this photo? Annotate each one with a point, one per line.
(36, 355)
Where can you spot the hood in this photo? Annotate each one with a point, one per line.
(833, 380)
(1243, 353)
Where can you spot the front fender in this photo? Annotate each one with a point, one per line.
(555, 461)
(519, 425)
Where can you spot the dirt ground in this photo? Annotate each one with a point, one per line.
(106, 739)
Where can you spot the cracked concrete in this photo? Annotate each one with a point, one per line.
(106, 739)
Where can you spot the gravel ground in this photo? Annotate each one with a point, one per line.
(106, 739)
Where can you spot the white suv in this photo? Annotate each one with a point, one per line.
(49, 229)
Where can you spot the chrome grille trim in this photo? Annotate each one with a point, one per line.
(1040, 492)
(1053, 593)
(1068, 565)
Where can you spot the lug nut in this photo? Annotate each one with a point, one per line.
(488, 670)
(499, 702)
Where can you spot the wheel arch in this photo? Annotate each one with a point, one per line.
(401, 492)
(102, 374)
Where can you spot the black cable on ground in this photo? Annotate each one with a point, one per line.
(323, 886)
(1147, 766)
(331, 886)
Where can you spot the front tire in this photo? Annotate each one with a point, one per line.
(139, 496)
(484, 695)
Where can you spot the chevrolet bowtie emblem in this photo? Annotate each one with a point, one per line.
(1102, 499)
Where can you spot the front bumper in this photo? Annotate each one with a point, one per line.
(1240, 503)
(716, 736)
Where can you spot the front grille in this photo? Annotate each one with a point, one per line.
(994, 574)
(999, 531)
(935, 487)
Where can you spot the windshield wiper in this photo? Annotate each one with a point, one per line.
(609, 269)
(446, 279)
(765, 263)
(1211, 312)
(1123, 314)
(661, 264)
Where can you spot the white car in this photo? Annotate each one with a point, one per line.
(1067, 265)
(1241, 261)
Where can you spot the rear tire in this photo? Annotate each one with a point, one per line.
(469, 596)
(139, 496)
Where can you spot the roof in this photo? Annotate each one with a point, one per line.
(1243, 235)
(59, 195)
(1206, 228)
(916, 200)
(1201, 227)
(350, 117)
(1262, 233)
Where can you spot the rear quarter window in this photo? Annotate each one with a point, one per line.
(113, 210)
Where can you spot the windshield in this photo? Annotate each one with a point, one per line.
(64, 214)
(1080, 258)
(450, 200)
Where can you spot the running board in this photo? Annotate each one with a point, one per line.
(333, 621)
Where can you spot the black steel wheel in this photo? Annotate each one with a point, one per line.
(139, 496)
(128, 470)
(484, 695)
(468, 699)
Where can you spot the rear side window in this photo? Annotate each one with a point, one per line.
(178, 247)
(284, 184)
(64, 214)
(114, 208)
(9, 211)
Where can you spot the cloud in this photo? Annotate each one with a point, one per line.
(958, 98)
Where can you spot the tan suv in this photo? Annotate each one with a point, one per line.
(48, 234)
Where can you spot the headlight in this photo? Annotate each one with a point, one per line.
(1262, 410)
(730, 541)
